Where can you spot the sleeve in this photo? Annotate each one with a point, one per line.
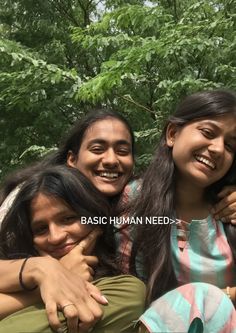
(6, 205)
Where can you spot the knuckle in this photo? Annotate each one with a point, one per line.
(98, 314)
(89, 319)
(87, 276)
(50, 310)
(71, 316)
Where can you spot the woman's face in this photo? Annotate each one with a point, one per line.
(55, 226)
(203, 150)
(105, 156)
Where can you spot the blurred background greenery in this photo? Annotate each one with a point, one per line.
(60, 58)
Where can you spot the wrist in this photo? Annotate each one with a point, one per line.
(21, 280)
(35, 270)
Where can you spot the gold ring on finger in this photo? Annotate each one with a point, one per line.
(69, 304)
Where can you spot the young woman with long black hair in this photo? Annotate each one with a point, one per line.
(195, 158)
(43, 225)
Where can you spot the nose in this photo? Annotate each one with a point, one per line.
(56, 234)
(217, 145)
(110, 158)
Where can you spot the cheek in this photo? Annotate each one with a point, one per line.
(178, 155)
(80, 230)
(128, 164)
(86, 162)
(39, 244)
(229, 161)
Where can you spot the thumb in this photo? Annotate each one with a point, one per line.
(88, 243)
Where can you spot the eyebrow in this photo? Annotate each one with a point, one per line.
(102, 141)
(212, 123)
(60, 213)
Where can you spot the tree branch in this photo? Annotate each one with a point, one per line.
(65, 12)
(151, 112)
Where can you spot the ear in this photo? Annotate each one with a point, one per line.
(71, 159)
(171, 132)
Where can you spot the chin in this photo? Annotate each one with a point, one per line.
(109, 193)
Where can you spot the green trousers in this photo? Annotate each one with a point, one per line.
(126, 297)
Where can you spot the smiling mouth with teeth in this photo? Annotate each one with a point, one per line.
(111, 175)
(205, 161)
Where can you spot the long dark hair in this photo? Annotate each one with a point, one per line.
(68, 184)
(157, 196)
(72, 142)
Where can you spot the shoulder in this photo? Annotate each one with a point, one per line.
(131, 190)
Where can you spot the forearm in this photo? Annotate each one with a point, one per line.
(10, 303)
(33, 271)
(9, 272)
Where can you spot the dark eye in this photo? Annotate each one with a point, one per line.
(70, 218)
(41, 230)
(123, 151)
(208, 133)
(97, 149)
(230, 147)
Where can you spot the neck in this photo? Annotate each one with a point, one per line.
(190, 202)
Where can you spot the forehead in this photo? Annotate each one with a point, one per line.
(43, 204)
(225, 123)
(108, 129)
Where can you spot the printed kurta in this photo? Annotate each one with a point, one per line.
(203, 264)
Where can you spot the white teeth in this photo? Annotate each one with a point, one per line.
(109, 174)
(205, 161)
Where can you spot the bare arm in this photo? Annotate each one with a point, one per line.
(78, 260)
(10, 303)
(9, 272)
(58, 286)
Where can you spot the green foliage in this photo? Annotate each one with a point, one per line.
(59, 58)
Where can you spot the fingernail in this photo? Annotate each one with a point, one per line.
(233, 221)
(104, 299)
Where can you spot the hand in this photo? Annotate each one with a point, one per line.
(60, 287)
(225, 210)
(79, 260)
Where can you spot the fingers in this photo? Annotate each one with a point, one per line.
(88, 322)
(227, 215)
(96, 294)
(51, 311)
(226, 191)
(87, 313)
(60, 289)
(88, 243)
(224, 203)
(71, 314)
(90, 274)
(226, 208)
(91, 260)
